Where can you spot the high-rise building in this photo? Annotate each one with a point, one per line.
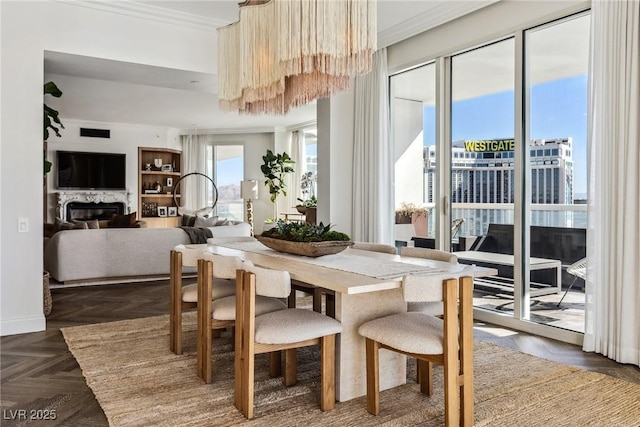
(482, 171)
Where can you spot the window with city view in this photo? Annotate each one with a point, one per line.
(486, 157)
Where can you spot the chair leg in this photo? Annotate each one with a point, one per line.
(330, 301)
(290, 367)
(373, 377)
(247, 366)
(327, 372)
(175, 303)
(317, 300)
(275, 364)
(568, 289)
(425, 377)
(291, 300)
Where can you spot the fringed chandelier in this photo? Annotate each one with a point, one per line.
(286, 53)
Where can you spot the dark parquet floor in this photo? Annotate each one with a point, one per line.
(39, 376)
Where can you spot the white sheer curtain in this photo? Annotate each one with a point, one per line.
(372, 158)
(194, 188)
(612, 312)
(298, 154)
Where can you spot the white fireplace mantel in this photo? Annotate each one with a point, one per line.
(66, 197)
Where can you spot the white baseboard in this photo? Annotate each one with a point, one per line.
(22, 325)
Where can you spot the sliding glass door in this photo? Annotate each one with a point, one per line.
(556, 70)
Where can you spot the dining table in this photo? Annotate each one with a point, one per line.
(367, 285)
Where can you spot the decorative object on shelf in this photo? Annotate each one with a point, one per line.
(169, 182)
(149, 209)
(249, 192)
(147, 167)
(162, 211)
(204, 210)
(157, 163)
(275, 167)
(305, 239)
(166, 168)
(157, 186)
(172, 211)
(266, 65)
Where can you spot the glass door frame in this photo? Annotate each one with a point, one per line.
(522, 193)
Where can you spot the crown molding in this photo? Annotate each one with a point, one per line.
(150, 12)
(440, 13)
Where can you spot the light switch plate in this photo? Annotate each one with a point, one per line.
(23, 225)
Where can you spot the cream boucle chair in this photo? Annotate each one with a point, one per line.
(280, 330)
(183, 297)
(448, 342)
(433, 308)
(214, 315)
(375, 247)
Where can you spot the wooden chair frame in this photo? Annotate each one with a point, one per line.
(208, 328)
(457, 357)
(176, 305)
(247, 348)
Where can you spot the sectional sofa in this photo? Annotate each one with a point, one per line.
(111, 253)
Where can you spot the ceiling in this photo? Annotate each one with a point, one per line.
(120, 92)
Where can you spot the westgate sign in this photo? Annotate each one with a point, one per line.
(490, 145)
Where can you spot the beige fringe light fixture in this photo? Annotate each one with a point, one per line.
(286, 53)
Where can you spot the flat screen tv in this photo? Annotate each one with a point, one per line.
(91, 171)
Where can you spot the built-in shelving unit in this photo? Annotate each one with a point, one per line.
(159, 170)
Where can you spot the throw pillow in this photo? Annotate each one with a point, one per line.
(93, 224)
(202, 221)
(188, 220)
(61, 224)
(123, 221)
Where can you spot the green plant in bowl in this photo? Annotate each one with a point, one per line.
(305, 232)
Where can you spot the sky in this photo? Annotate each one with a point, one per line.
(558, 110)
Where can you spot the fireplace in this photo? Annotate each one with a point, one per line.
(90, 211)
(87, 205)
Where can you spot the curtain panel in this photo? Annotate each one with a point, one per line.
(372, 156)
(194, 191)
(612, 310)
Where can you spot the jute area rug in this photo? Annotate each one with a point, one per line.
(139, 382)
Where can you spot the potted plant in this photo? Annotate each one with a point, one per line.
(275, 168)
(50, 117)
(305, 239)
(406, 211)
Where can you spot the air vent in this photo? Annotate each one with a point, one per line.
(95, 133)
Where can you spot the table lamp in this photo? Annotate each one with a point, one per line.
(249, 192)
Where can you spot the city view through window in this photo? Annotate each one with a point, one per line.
(483, 151)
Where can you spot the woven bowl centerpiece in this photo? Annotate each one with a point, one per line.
(304, 239)
(311, 249)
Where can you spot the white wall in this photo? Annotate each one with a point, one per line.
(485, 25)
(28, 28)
(335, 160)
(125, 139)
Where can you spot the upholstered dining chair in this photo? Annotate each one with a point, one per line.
(434, 308)
(214, 315)
(375, 247)
(185, 296)
(285, 330)
(430, 340)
